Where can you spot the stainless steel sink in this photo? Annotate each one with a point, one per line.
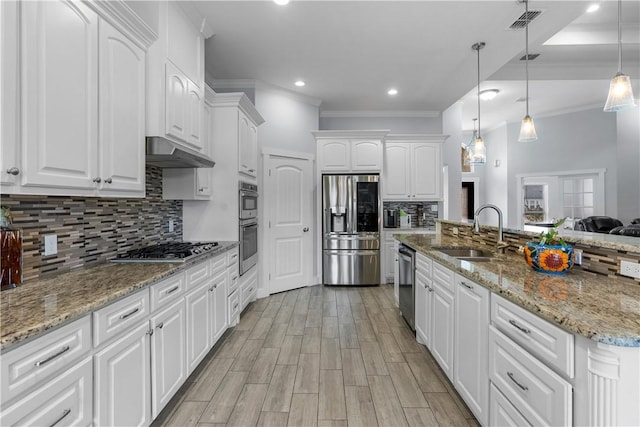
(468, 254)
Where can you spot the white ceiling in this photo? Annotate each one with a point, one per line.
(351, 52)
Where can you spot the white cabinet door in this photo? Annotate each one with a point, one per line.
(168, 364)
(442, 319)
(426, 170)
(502, 413)
(366, 155)
(334, 155)
(247, 146)
(396, 182)
(471, 336)
(195, 104)
(65, 401)
(176, 103)
(389, 261)
(122, 113)
(423, 289)
(60, 94)
(9, 95)
(122, 387)
(198, 326)
(218, 306)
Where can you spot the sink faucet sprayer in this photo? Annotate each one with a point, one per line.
(502, 245)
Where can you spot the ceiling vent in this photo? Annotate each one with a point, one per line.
(532, 56)
(521, 22)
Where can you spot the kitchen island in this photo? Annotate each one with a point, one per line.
(527, 346)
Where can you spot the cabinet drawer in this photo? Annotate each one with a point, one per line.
(218, 263)
(167, 291)
(423, 264)
(36, 361)
(549, 343)
(232, 256)
(249, 291)
(537, 392)
(65, 401)
(109, 321)
(198, 274)
(234, 307)
(234, 279)
(443, 276)
(502, 413)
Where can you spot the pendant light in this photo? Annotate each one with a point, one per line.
(527, 128)
(479, 153)
(620, 91)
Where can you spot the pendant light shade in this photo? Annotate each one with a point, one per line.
(527, 128)
(620, 91)
(479, 155)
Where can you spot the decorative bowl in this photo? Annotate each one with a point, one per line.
(550, 259)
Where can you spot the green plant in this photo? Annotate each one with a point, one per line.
(552, 237)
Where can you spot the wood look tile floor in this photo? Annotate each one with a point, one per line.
(319, 356)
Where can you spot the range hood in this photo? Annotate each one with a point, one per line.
(165, 153)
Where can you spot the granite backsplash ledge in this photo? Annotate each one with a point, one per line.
(91, 230)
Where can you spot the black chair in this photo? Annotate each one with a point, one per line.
(597, 224)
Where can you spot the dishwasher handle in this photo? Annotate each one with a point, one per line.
(406, 251)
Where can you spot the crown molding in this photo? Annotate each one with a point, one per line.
(381, 113)
(332, 134)
(416, 137)
(239, 100)
(119, 14)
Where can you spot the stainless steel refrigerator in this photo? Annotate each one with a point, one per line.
(351, 229)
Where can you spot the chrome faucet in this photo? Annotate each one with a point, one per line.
(502, 245)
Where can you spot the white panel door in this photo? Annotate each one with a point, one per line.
(60, 94)
(334, 155)
(168, 363)
(289, 192)
(396, 178)
(219, 306)
(195, 106)
(366, 155)
(176, 103)
(122, 112)
(442, 318)
(198, 326)
(426, 169)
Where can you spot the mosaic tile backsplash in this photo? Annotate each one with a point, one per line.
(91, 230)
(416, 209)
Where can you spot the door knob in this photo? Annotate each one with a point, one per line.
(13, 171)
(97, 180)
(108, 181)
(305, 229)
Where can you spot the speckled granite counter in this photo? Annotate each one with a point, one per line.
(593, 306)
(40, 305)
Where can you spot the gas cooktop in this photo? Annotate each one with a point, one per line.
(167, 252)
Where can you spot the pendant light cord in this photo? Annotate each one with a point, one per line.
(526, 52)
(619, 37)
(479, 47)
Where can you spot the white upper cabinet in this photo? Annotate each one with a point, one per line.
(247, 146)
(80, 86)
(349, 151)
(412, 167)
(175, 77)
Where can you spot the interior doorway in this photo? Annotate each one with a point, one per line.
(469, 201)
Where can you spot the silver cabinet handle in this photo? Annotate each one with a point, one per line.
(235, 306)
(466, 286)
(160, 325)
(131, 313)
(149, 332)
(172, 290)
(211, 289)
(305, 229)
(522, 329)
(108, 181)
(511, 376)
(97, 180)
(234, 278)
(53, 356)
(252, 170)
(64, 414)
(201, 189)
(13, 171)
(234, 256)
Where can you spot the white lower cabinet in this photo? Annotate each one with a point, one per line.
(198, 326)
(471, 355)
(218, 307)
(442, 318)
(502, 413)
(168, 365)
(67, 400)
(122, 387)
(424, 300)
(248, 287)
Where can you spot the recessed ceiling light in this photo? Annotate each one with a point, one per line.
(299, 83)
(392, 91)
(593, 8)
(488, 94)
(281, 2)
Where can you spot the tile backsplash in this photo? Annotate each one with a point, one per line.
(415, 209)
(91, 230)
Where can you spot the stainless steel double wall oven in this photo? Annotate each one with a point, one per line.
(351, 229)
(248, 198)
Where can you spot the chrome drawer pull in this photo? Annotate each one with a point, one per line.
(124, 316)
(235, 306)
(64, 414)
(172, 290)
(50, 358)
(160, 325)
(522, 329)
(13, 171)
(466, 286)
(234, 278)
(524, 388)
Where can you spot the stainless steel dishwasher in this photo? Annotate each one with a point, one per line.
(406, 283)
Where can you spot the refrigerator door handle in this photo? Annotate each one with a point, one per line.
(350, 252)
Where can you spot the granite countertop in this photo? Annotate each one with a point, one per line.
(422, 228)
(600, 308)
(39, 305)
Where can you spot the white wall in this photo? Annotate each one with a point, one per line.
(452, 126)
(628, 136)
(394, 124)
(495, 177)
(572, 141)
